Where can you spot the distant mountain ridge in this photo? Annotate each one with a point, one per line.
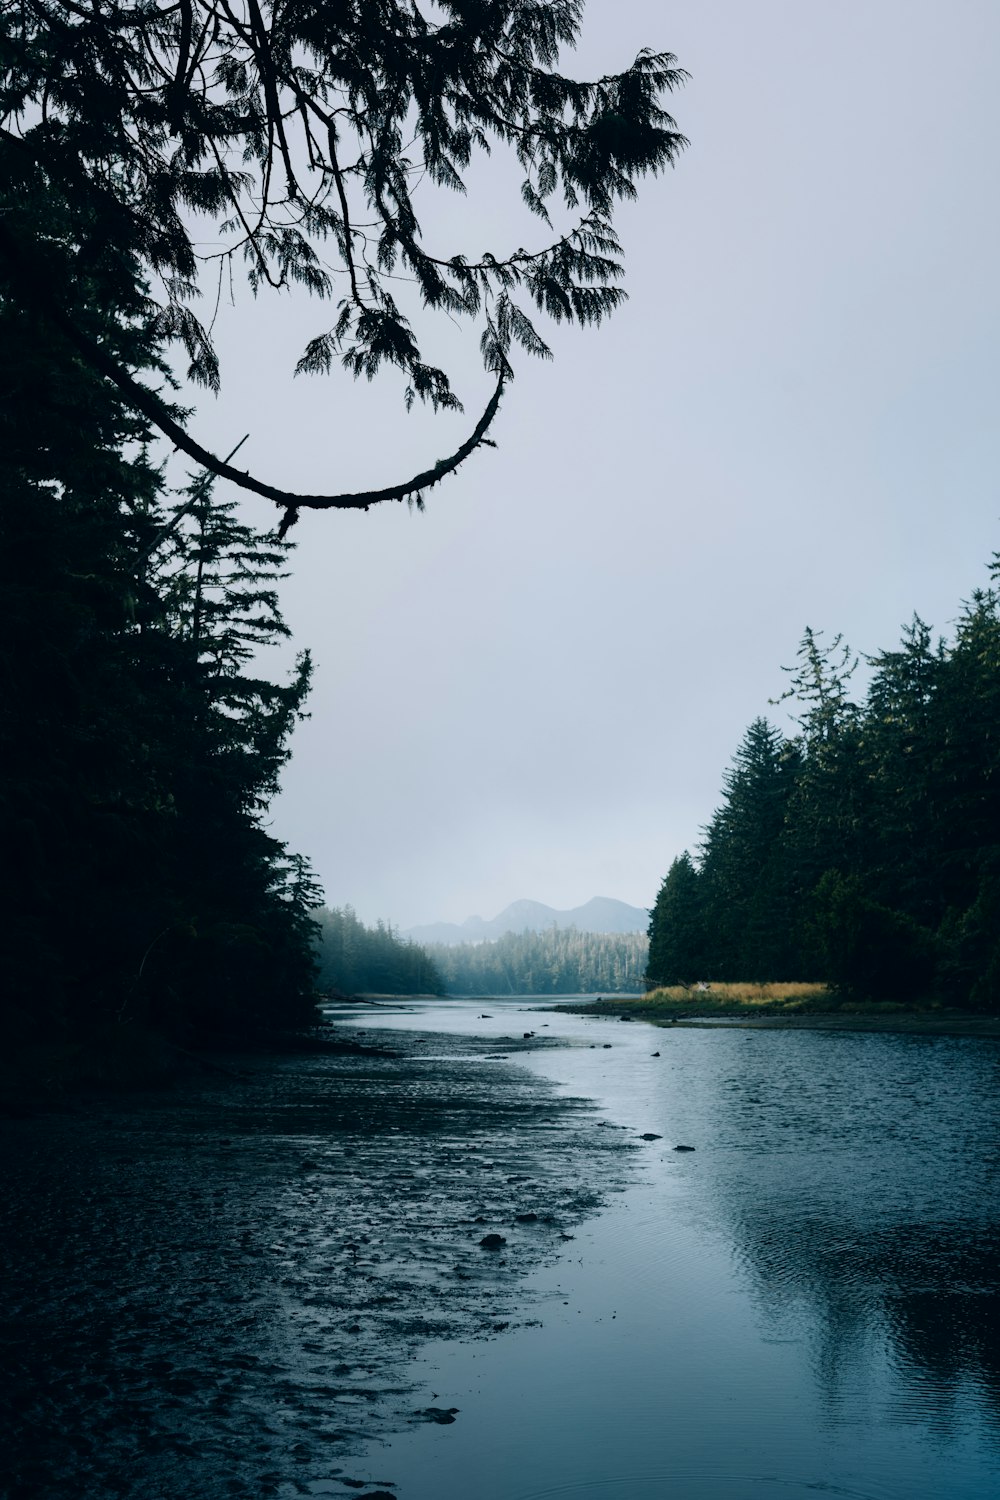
(599, 914)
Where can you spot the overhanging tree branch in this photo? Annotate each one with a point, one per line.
(155, 409)
(142, 123)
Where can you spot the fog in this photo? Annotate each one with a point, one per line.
(534, 688)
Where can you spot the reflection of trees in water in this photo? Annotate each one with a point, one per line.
(946, 1325)
(860, 1186)
(931, 1301)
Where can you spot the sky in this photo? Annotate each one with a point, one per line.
(534, 688)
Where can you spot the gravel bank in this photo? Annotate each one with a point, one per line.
(218, 1290)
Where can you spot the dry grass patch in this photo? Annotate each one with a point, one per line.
(678, 1002)
(740, 994)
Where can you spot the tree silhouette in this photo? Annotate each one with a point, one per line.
(864, 851)
(293, 136)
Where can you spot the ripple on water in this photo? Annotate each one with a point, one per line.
(673, 1484)
(814, 1293)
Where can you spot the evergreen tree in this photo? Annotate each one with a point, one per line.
(831, 787)
(557, 961)
(292, 136)
(355, 959)
(967, 773)
(680, 946)
(901, 755)
(744, 877)
(865, 852)
(142, 742)
(78, 501)
(867, 949)
(138, 759)
(244, 900)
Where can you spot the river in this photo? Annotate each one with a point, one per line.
(804, 1304)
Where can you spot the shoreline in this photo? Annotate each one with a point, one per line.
(872, 1018)
(220, 1288)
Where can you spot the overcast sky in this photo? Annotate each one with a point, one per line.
(534, 688)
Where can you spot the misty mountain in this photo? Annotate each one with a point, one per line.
(600, 914)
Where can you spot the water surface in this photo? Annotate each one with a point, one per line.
(806, 1303)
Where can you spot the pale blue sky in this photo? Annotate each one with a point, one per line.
(534, 688)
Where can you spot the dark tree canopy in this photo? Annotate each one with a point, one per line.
(864, 851)
(141, 738)
(296, 142)
(678, 946)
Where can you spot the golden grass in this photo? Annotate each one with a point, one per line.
(788, 1005)
(739, 994)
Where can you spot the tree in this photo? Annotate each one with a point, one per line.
(679, 945)
(901, 754)
(967, 771)
(140, 743)
(745, 886)
(866, 949)
(866, 850)
(352, 957)
(77, 506)
(236, 891)
(292, 135)
(829, 816)
(556, 961)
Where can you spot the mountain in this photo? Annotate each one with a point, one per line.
(600, 914)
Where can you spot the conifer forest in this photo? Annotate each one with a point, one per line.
(862, 850)
(353, 958)
(365, 561)
(556, 961)
(149, 155)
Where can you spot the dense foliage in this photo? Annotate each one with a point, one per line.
(286, 140)
(151, 153)
(864, 850)
(140, 743)
(355, 959)
(557, 961)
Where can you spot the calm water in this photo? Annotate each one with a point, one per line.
(806, 1304)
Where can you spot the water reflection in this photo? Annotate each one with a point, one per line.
(807, 1302)
(858, 1176)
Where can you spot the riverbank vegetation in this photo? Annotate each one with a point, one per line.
(142, 735)
(556, 961)
(353, 959)
(152, 158)
(790, 1007)
(863, 851)
(739, 997)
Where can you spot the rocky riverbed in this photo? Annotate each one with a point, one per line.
(217, 1290)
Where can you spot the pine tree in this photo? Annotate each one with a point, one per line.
(292, 136)
(78, 502)
(138, 762)
(680, 947)
(557, 961)
(242, 900)
(356, 959)
(866, 851)
(901, 753)
(967, 772)
(832, 792)
(745, 880)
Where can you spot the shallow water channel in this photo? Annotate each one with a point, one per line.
(805, 1303)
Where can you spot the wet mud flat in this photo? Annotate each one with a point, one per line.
(218, 1290)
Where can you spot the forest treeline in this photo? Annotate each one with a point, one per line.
(357, 959)
(153, 160)
(862, 850)
(141, 739)
(556, 961)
